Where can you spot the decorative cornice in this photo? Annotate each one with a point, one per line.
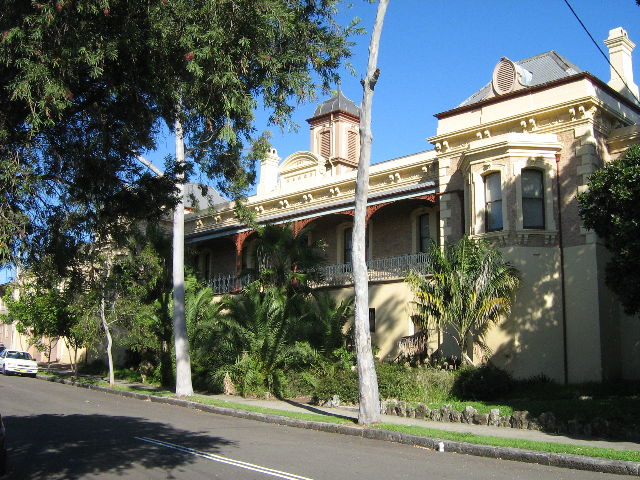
(537, 88)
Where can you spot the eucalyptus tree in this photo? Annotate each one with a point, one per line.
(86, 86)
(464, 289)
(369, 397)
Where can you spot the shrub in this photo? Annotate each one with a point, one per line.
(394, 381)
(399, 381)
(437, 384)
(486, 382)
(96, 367)
(343, 383)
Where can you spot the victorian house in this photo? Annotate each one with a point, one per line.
(506, 165)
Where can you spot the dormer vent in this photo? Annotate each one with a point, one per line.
(509, 76)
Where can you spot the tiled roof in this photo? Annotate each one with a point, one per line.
(335, 103)
(193, 193)
(545, 68)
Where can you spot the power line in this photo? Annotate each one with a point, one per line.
(600, 49)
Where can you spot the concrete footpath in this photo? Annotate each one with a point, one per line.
(146, 392)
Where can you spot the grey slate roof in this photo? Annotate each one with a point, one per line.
(545, 68)
(193, 193)
(337, 102)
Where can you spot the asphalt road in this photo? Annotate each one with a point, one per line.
(62, 432)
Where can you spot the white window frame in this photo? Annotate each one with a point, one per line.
(548, 175)
(478, 217)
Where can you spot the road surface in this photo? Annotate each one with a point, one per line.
(57, 431)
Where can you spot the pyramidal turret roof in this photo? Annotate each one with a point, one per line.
(335, 103)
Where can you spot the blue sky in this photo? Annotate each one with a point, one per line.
(435, 54)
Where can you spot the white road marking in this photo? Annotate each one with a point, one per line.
(228, 461)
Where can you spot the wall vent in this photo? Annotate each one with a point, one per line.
(504, 77)
(509, 76)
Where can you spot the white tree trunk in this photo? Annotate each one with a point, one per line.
(369, 410)
(103, 318)
(181, 340)
(107, 332)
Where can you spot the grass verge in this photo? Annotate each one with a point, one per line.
(609, 453)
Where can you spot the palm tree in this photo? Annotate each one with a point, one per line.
(257, 339)
(465, 289)
(285, 259)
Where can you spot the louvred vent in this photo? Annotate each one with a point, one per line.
(504, 77)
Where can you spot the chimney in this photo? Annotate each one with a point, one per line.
(620, 48)
(268, 172)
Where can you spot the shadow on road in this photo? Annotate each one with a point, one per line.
(317, 410)
(72, 446)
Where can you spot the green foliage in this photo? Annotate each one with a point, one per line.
(466, 287)
(610, 208)
(96, 367)
(287, 259)
(343, 383)
(87, 85)
(394, 382)
(486, 382)
(398, 381)
(275, 329)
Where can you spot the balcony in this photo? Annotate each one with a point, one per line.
(388, 268)
(380, 269)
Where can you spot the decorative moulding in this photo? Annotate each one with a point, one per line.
(522, 236)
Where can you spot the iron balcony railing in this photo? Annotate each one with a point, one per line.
(379, 269)
(333, 275)
(227, 282)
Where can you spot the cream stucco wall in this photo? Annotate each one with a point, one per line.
(529, 342)
(392, 317)
(582, 307)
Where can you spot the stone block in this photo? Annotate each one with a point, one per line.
(520, 420)
(391, 409)
(590, 159)
(468, 413)
(480, 419)
(586, 169)
(456, 416)
(583, 131)
(589, 148)
(548, 422)
(445, 412)
(494, 417)
(422, 411)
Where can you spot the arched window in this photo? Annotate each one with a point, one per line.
(492, 202)
(532, 199)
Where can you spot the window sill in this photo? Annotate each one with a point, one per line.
(501, 235)
(522, 236)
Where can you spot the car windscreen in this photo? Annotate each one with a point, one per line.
(19, 355)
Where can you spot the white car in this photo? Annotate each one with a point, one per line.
(20, 363)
